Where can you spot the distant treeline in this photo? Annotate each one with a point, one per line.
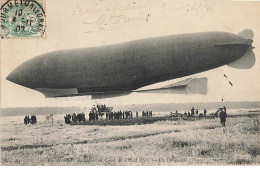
(166, 107)
(38, 110)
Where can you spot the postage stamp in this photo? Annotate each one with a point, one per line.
(23, 19)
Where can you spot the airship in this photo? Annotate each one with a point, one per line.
(120, 69)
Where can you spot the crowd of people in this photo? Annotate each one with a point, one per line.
(221, 112)
(192, 113)
(102, 108)
(31, 120)
(119, 115)
(74, 118)
(147, 114)
(115, 115)
(98, 111)
(94, 114)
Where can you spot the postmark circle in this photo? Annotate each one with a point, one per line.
(22, 18)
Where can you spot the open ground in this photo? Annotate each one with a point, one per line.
(164, 142)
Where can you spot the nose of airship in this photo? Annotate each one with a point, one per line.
(13, 77)
(22, 75)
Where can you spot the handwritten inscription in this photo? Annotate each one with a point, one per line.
(115, 9)
(101, 15)
(115, 19)
(109, 15)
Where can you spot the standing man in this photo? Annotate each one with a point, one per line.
(223, 116)
(205, 112)
(28, 120)
(25, 120)
(111, 115)
(107, 115)
(197, 112)
(89, 116)
(74, 117)
(192, 110)
(83, 116)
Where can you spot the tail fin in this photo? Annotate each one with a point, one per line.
(187, 86)
(245, 62)
(247, 34)
(248, 59)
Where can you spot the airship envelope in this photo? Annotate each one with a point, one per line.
(119, 69)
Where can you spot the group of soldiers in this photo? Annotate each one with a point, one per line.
(101, 108)
(115, 115)
(74, 118)
(98, 111)
(192, 113)
(31, 120)
(195, 113)
(146, 114)
(119, 115)
(221, 112)
(95, 114)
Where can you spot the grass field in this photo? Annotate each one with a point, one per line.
(166, 142)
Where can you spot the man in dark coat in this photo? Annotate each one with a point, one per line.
(96, 115)
(223, 116)
(25, 120)
(28, 120)
(69, 116)
(89, 116)
(205, 112)
(74, 117)
(197, 112)
(67, 119)
(107, 114)
(33, 119)
(192, 110)
(112, 115)
(83, 116)
(192, 113)
(79, 117)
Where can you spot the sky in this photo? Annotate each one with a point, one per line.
(77, 24)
